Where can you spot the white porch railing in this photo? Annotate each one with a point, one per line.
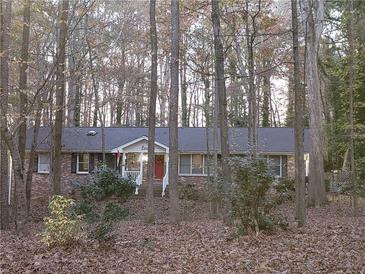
(131, 174)
(165, 182)
(135, 175)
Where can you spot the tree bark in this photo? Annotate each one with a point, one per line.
(266, 94)
(121, 84)
(222, 105)
(5, 17)
(313, 11)
(32, 155)
(173, 113)
(184, 108)
(60, 97)
(22, 132)
(252, 104)
(300, 206)
(19, 202)
(351, 109)
(150, 212)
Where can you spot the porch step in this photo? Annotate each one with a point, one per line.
(157, 190)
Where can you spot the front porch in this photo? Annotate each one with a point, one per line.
(132, 158)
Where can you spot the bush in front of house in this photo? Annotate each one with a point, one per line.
(62, 226)
(85, 210)
(106, 182)
(252, 181)
(190, 192)
(103, 234)
(114, 212)
(285, 185)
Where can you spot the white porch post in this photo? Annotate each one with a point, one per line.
(165, 180)
(139, 177)
(124, 156)
(141, 164)
(167, 164)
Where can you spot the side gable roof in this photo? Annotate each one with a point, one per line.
(75, 139)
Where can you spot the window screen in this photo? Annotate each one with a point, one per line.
(43, 163)
(83, 162)
(197, 164)
(185, 163)
(274, 165)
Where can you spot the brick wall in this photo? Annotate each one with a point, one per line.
(291, 167)
(41, 185)
(195, 180)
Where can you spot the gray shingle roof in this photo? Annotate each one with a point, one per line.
(272, 140)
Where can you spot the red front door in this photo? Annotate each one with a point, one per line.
(159, 167)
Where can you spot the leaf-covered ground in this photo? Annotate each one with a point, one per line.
(332, 242)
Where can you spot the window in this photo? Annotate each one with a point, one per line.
(192, 164)
(275, 165)
(43, 163)
(185, 161)
(82, 163)
(197, 164)
(205, 164)
(133, 162)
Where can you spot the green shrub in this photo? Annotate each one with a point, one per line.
(114, 212)
(103, 234)
(105, 183)
(265, 222)
(84, 209)
(62, 227)
(252, 182)
(190, 192)
(285, 185)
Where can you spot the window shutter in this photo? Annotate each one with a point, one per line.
(35, 163)
(91, 163)
(284, 167)
(73, 162)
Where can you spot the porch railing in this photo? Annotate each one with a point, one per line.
(131, 174)
(134, 175)
(165, 182)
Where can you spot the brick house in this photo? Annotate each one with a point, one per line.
(126, 151)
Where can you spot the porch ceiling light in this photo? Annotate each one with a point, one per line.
(144, 158)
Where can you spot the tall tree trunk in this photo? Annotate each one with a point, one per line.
(32, 155)
(184, 108)
(23, 100)
(23, 80)
(173, 113)
(222, 105)
(97, 110)
(5, 17)
(266, 94)
(313, 11)
(150, 211)
(351, 109)
(252, 102)
(300, 206)
(19, 202)
(73, 96)
(121, 84)
(60, 97)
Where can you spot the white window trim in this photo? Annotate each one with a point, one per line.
(39, 163)
(191, 166)
(77, 164)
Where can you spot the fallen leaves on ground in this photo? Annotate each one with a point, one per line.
(331, 242)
